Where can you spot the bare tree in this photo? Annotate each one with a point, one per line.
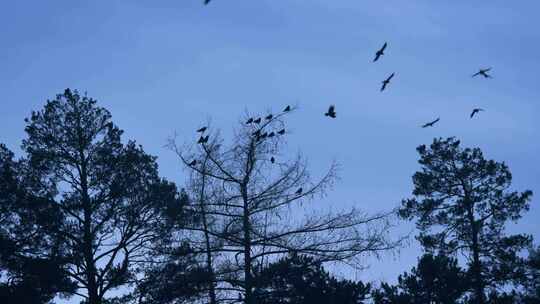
(258, 196)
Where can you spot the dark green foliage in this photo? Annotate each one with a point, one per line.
(461, 203)
(436, 279)
(109, 194)
(299, 279)
(32, 267)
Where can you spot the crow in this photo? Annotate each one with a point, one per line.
(386, 81)
(287, 109)
(281, 132)
(474, 111)
(331, 112)
(205, 140)
(272, 160)
(484, 73)
(206, 2)
(299, 191)
(201, 140)
(380, 52)
(269, 116)
(430, 124)
(193, 163)
(257, 121)
(249, 121)
(271, 134)
(256, 133)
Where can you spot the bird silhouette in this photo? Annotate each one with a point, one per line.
(206, 2)
(269, 116)
(484, 73)
(272, 160)
(201, 130)
(474, 111)
(287, 109)
(271, 134)
(430, 124)
(380, 52)
(299, 191)
(249, 121)
(281, 132)
(386, 81)
(193, 163)
(331, 111)
(257, 121)
(256, 133)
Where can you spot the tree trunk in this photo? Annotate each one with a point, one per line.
(476, 265)
(247, 248)
(209, 265)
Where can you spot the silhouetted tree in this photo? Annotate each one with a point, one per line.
(461, 203)
(531, 278)
(255, 201)
(109, 194)
(436, 280)
(298, 279)
(32, 267)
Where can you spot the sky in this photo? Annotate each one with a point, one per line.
(169, 66)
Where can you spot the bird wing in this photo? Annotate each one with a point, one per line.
(384, 47)
(331, 109)
(391, 76)
(476, 74)
(383, 86)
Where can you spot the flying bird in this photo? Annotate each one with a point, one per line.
(249, 121)
(257, 121)
(430, 124)
(299, 191)
(281, 132)
(206, 2)
(484, 73)
(201, 130)
(474, 111)
(272, 160)
(193, 163)
(269, 116)
(287, 109)
(386, 81)
(380, 52)
(331, 112)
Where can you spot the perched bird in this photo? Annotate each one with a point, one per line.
(474, 111)
(201, 140)
(249, 121)
(206, 138)
(380, 52)
(201, 130)
(256, 133)
(484, 73)
(386, 81)
(272, 160)
(264, 135)
(299, 191)
(257, 121)
(287, 109)
(271, 134)
(193, 163)
(331, 112)
(430, 124)
(281, 132)
(269, 116)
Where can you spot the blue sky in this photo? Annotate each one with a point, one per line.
(165, 66)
